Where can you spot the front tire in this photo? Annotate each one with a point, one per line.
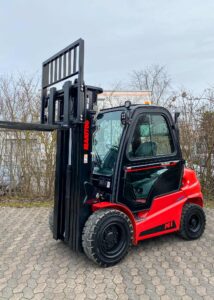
(193, 221)
(107, 236)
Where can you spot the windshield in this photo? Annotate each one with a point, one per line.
(106, 141)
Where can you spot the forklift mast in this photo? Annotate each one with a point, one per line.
(70, 111)
(73, 108)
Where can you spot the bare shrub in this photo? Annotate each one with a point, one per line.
(27, 157)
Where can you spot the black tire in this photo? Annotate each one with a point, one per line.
(51, 220)
(107, 236)
(193, 221)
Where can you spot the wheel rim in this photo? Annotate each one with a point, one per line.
(194, 223)
(112, 240)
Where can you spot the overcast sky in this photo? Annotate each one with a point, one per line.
(119, 35)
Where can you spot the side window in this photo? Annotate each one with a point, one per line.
(151, 137)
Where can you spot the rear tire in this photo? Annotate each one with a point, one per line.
(193, 221)
(107, 236)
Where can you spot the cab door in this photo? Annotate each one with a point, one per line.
(152, 164)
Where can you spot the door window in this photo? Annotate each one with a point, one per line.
(139, 183)
(106, 141)
(151, 137)
(142, 185)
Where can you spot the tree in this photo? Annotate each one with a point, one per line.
(207, 151)
(27, 156)
(155, 79)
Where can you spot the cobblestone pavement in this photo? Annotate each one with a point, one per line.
(34, 266)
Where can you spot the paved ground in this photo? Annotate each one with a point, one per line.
(34, 266)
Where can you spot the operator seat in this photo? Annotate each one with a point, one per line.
(146, 149)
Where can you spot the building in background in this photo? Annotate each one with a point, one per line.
(116, 98)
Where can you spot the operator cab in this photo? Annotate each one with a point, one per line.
(136, 155)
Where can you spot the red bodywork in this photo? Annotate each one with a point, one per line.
(165, 212)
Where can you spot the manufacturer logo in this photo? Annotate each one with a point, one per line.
(162, 227)
(169, 225)
(86, 135)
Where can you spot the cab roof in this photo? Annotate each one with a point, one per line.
(133, 107)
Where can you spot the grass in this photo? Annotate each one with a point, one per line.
(22, 202)
(209, 204)
(29, 204)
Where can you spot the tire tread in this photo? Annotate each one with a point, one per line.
(182, 232)
(91, 226)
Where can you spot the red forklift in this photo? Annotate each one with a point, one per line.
(120, 176)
